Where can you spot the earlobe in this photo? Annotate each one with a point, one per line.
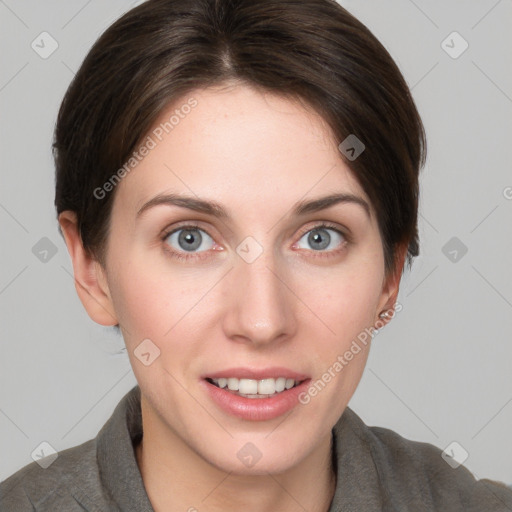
(391, 285)
(90, 280)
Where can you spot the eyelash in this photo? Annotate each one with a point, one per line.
(204, 254)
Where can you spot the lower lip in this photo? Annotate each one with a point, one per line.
(256, 409)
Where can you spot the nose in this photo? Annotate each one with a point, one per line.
(259, 307)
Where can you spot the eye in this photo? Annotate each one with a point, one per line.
(188, 239)
(322, 237)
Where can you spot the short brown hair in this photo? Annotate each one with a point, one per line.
(313, 50)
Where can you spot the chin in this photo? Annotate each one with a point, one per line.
(255, 455)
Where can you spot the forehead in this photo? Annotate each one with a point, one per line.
(240, 146)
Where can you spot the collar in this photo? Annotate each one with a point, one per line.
(119, 471)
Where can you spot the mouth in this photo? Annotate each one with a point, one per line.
(256, 394)
(252, 388)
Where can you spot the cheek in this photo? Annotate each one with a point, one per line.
(345, 300)
(154, 301)
(346, 303)
(143, 300)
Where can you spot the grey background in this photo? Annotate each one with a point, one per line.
(440, 372)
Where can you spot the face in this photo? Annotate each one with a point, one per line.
(265, 290)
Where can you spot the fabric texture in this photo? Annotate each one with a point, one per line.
(376, 470)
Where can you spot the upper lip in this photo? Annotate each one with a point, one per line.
(257, 374)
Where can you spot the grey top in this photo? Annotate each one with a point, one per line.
(377, 470)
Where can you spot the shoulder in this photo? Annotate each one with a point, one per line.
(413, 470)
(71, 482)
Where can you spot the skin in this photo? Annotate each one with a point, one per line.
(296, 306)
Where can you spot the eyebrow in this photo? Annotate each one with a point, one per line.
(216, 210)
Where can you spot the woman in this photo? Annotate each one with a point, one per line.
(237, 186)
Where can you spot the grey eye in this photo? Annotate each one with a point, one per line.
(320, 238)
(189, 239)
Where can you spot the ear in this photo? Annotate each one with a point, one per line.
(390, 288)
(90, 278)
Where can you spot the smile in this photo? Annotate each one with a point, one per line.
(251, 388)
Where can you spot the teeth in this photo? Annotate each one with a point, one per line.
(233, 384)
(280, 384)
(253, 387)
